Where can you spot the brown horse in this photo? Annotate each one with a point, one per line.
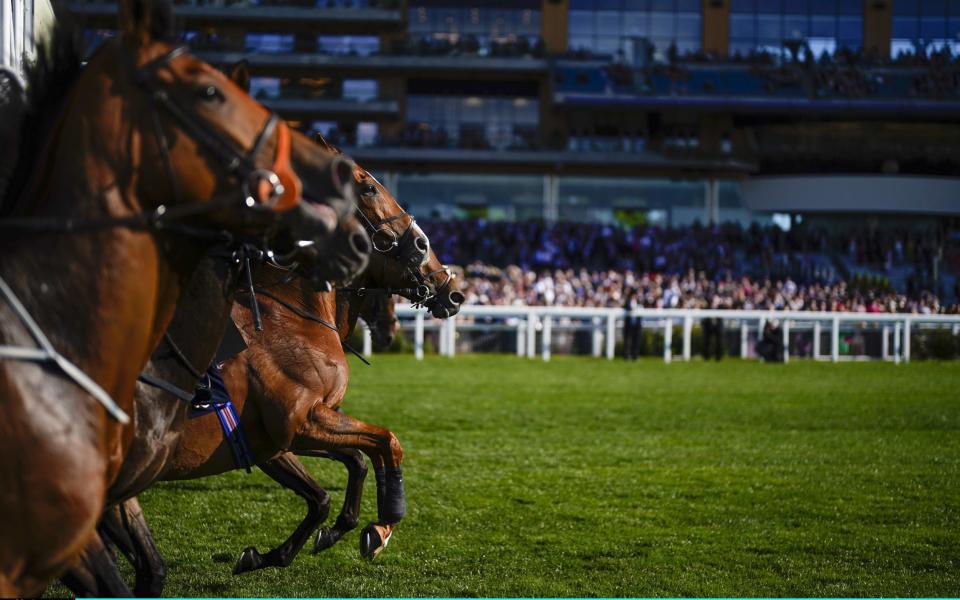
(289, 384)
(287, 387)
(151, 158)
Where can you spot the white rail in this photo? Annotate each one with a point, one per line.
(527, 321)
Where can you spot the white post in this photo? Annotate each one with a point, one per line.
(452, 332)
(786, 340)
(906, 340)
(667, 340)
(896, 342)
(545, 340)
(687, 335)
(611, 336)
(596, 335)
(367, 341)
(418, 336)
(521, 337)
(885, 343)
(442, 339)
(835, 340)
(744, 338)
(531, 335)
(956, 329)
(816, 339)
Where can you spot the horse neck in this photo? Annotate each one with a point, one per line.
(96, 293)
(348, 305)
(298, 293)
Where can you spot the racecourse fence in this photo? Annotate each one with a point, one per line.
(533, 331)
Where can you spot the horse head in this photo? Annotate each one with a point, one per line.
(402, 257)
(204, 152)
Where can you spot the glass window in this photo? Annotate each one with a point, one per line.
(608, 200)
(823, 24)
(925, 26)
(458, 195)
(607, 27)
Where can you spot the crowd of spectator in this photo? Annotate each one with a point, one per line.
(485, 284)
(721, 266)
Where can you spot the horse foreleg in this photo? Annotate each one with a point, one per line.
(125, 526)
(96, 574)
(326, 429)
(349, 516)
(289, 472)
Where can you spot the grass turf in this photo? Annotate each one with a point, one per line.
(587, 477)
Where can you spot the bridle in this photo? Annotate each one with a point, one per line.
(276, 188)
(386, 242)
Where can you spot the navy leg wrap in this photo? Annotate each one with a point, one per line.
(391, 498)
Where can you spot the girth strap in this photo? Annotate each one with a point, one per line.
(47, 353)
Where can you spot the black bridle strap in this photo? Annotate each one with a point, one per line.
(166, 386)
(303, 314)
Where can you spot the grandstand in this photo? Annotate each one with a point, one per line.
(832, 118)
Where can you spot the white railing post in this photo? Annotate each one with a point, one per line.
(817, 326)
(452, 332)
(531, 334)
(611, 336)
(687, 334)
(418, 336)
(786, 340)
(835, 340)
(546, 338)
(367, 341)
(906, 340)
(596, 337)
(885, 343)
(896, 342)
(667, 340)
(521, 337)
(744, 338)
(442, 339)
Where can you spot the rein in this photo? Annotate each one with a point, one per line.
(306, 315)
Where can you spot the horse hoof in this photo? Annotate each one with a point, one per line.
(324, 540)
(250, 560)
(371, 542)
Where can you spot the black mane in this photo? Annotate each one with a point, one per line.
(48, 81)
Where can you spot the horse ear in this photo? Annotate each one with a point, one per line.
(144, 21)
(240, 74)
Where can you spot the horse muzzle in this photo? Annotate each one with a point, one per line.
(446, 304)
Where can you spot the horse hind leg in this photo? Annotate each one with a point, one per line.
(97, 573)
(349, 516)
(289, 472)
(126, 526)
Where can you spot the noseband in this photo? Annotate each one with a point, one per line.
(277, 188)
(386, 242)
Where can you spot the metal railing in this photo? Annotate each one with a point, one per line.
(533, 324)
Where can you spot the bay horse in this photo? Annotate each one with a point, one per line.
(149, 157)
(287, 387)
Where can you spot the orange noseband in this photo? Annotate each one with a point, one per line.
(292, 186)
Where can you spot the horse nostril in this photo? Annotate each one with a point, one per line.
(360, 243)
(421, 244)
(456, 298)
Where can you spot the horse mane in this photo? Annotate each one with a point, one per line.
(48, 80)
(59, 62)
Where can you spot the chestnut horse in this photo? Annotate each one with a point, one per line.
(150, 159)
(288, 385)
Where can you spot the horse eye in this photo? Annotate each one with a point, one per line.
(209, 93)
(368, 190)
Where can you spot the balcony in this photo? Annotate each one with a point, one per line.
(333, 108)
(369, 17)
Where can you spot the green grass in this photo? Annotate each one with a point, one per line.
(586, 477)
